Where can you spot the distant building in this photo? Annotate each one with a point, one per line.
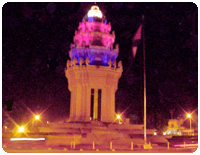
(175, 128)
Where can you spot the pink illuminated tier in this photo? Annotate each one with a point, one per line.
(94, 33)
(94, 39)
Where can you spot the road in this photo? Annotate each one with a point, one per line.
(25, 146)
(35, 148)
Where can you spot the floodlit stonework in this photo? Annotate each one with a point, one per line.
(92, 72)
(93, 76)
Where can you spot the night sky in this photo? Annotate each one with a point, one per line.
(36, 42)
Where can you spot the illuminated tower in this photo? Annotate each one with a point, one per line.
(92, 72)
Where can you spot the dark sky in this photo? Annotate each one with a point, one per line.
(37, 38)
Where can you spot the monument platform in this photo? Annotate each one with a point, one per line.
(95, 132)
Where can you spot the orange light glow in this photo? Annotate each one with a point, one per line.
(189, 115)
(21, 129)
(118, 116)
(164, 133)
(37, 117)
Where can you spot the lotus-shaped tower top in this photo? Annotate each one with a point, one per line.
(94, 40)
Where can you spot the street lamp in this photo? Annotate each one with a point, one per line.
(190, 117)
(37, 117)
(118, 117)
(21, 129)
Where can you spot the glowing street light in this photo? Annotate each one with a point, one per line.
(118, 117)
(190, 117)
(164, 133)
(37, 117)
(21, 129)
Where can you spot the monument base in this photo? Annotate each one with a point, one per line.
(100, 134)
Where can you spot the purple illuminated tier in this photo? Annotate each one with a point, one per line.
(94, 40)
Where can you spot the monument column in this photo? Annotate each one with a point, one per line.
(83, 102)
(108, 105)
(87, 102)
(73, 104)
(112, 104)
(95, 109)
(78, 102)
(103, 103)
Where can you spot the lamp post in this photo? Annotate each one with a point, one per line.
(190, 117)
(146, 146)
(35, 123)
(144, 77)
